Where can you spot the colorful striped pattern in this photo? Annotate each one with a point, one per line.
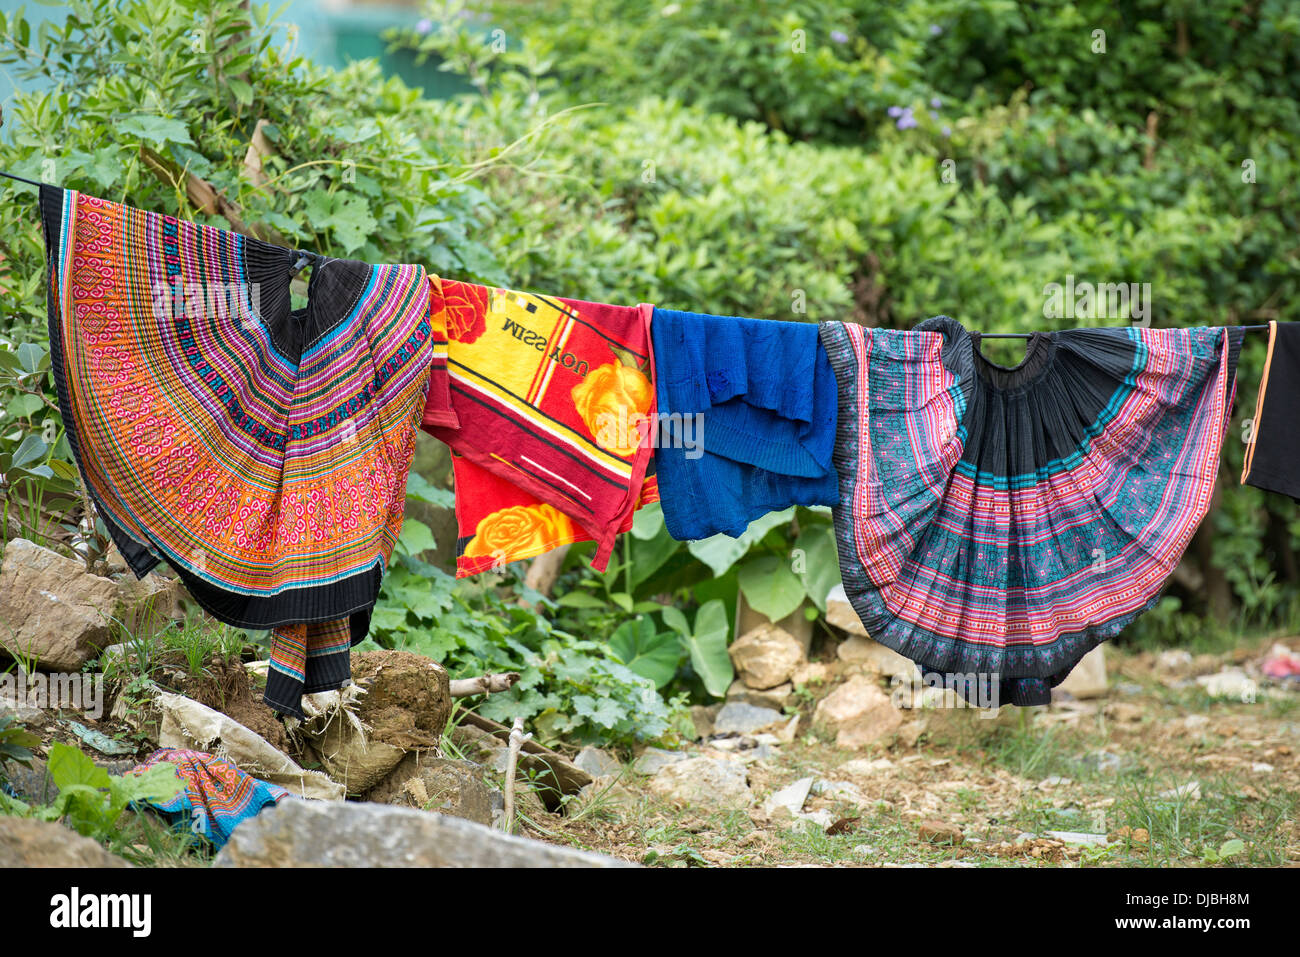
(552, 397)
(262, 452)
(1004, 522)
(217, 796)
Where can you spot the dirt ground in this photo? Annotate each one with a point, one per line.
(1158, 771)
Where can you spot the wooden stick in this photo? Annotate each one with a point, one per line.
(483, 684)
(517, 739)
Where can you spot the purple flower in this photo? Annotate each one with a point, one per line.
(424, 26)
(839, 36)
(906, 120)
(947, 131)
(936, 102)
(895, 111)
(935, 29)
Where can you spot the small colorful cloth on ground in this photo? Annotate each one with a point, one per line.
(217, 796)
(747, 412)
(551, 397)
(997, 523)
(1273, 455)
(262, 451)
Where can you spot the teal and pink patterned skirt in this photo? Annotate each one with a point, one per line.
(1001, 522)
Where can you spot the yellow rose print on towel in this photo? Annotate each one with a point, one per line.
(613, 401)
(520, 531)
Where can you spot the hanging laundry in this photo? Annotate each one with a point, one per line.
(747, 414)
(217, 796)
(999, 522)
(260, 450)
(551, 397)
(509, 524)
(1273, 455)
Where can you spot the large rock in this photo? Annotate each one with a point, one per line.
(840, 613)
(430, 783)
(859, 713)
(875, 657)
(778, 698)
(739, 718)
(51, 609)
(1088, 678)
(352, 834)
(25, 842)
(766, 656)
(703, 782)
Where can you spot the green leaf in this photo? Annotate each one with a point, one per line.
(416, 537)
(30, 449)
(820, 563)
(708, 648)
(771, 587)
(647, 522)
(1231, 848)
(154, 129)
(422, 490)
(579, 599)
(651, 655)
(720, 552)
(69, 767)
(25, 405)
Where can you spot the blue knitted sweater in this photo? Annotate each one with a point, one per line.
(766, 393)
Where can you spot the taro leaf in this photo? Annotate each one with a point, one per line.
(650, 555)
(771, 587)
(708, 647)
(720, 552)
(654, 656)
(647, 522)
(820, 563)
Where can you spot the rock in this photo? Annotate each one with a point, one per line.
(837, 790)
(702, 717)
(149, 604)
(737, 718)
(811, 673)
(841, 614)
(1189, 792)
(1077, 837)
(1124, 712)
(703, 782)
(813, 820)
(15, 707)
(775, 698)
(864, 766)
(359, 834)
(26, 842)
(51, 610)
(1087, 679)
(430, 783)
(597, 763)
(940, 832)
(790, 798)
(653, 760)
(1175, 662)
(481, 747)
(1230, 683)
(608, 791)
(766, 656)
(795, 624)
(34, 785)
(1138, 835)
(1107, 762)
(858, 712)
(875, 657)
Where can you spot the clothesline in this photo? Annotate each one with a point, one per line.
(305, 255)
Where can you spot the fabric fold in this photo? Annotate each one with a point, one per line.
(552, 397)
(1002, 521)
(747, 414)
(261, 451)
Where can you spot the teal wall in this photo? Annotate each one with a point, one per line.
(325, 36)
